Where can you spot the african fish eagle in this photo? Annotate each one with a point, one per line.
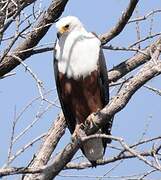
(81, 80)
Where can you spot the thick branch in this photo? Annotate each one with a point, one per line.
(50, 16)
(127, 66)
(60, 161)
(21, 4)
(121, 23)
(50, 142)
(13, 10)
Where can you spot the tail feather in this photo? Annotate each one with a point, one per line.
(93, 149)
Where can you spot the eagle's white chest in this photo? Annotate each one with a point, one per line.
(78, 54)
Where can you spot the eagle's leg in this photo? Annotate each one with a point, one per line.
(89, 123)
(79, 131)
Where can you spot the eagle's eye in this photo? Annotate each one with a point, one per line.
(66, 26)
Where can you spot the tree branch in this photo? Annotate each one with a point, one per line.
(105, 38)
(122, 155)
(50, 16)
(127, 66)
(12, 8)
(50, 142)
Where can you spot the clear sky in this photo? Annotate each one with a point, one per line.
(142, 112)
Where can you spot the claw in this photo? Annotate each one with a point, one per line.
(79, 131)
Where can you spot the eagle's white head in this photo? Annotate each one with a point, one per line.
(68, 24)
(77, 50)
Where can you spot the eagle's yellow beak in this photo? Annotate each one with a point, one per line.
(62, 30)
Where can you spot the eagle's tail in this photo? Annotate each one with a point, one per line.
(93, 150)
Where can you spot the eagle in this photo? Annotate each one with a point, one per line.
(81, 80)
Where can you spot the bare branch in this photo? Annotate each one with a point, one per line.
(13, 10)
(146, 16)
(20, 170)
(7, 75)
(116, 48)
(50, 142)
(127, 66)
(12, 43)
(19, 152)
(13, 7)
(49, 17)
(157, 91)
(144, 39)
(37, 117)
(121, 23)
(12, 137)
(126, 148)
(120, 156)
(60, 160)
(38, 82)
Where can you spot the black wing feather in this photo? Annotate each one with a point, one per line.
(104, 84)
(103, 78)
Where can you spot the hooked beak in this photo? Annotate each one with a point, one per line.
(61, 31)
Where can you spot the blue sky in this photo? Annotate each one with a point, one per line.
(142, 112)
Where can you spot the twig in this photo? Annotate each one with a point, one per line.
(37, 49)
(8, 23)
(37, 117)
(157, 91)
(19, 152)
(113, 168)
(116, 48)
(12, 137)
(125, 146)
(151, 24)
(144, 39)
(138, 29)
(122, 155)
(145, 17)
(12, 43)
(39, 83)
(146, 174)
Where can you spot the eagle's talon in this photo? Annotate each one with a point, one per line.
(87, 123)
(82, 126)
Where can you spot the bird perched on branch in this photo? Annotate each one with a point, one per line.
(81, 80)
